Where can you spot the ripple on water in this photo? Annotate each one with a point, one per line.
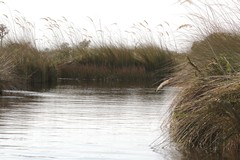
(75, 122)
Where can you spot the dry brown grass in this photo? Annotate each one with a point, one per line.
(205, 117)
(118, 63)
(30, 64)
(7, 71)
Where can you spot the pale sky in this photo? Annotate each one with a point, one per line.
(109, 11)
(156, 15)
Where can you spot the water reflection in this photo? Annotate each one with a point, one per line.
(82, 122)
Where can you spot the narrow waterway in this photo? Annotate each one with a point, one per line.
(82, 122)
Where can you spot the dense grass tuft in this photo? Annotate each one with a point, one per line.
(205, 118)
(118, 63)
(221, 53)
(7, 71)
(30, 65)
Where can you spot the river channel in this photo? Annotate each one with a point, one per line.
(83, 122)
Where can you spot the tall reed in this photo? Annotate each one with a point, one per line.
(74, 53)
(31, 65)
(205, 117)
(7, 71)
(118, 63)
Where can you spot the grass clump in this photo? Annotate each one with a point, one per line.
(31, 66)
(73, 52)
(7, 71)
(220, 51)
(156, 60)
(120, 63)
(205, 118)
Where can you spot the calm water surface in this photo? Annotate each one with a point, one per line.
(72, 122)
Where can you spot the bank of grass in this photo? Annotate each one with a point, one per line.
(22, 65)
(72, 55)
(7, 71)
(205, 118)
(119, 63)
(206, 113)
(100, 63)
(28, 65)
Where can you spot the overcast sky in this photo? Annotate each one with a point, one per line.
(109, 11)
(104, 13)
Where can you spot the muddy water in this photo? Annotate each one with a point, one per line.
(75, 122)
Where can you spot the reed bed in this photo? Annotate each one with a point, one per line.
(205, 117)
(102, 73)
(31, 66)
(7, 71)
(118, 63)
(72, 52)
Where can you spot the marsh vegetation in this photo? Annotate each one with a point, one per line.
(72, 55)
(205, 115)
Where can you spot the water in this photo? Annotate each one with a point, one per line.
(81, 122)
